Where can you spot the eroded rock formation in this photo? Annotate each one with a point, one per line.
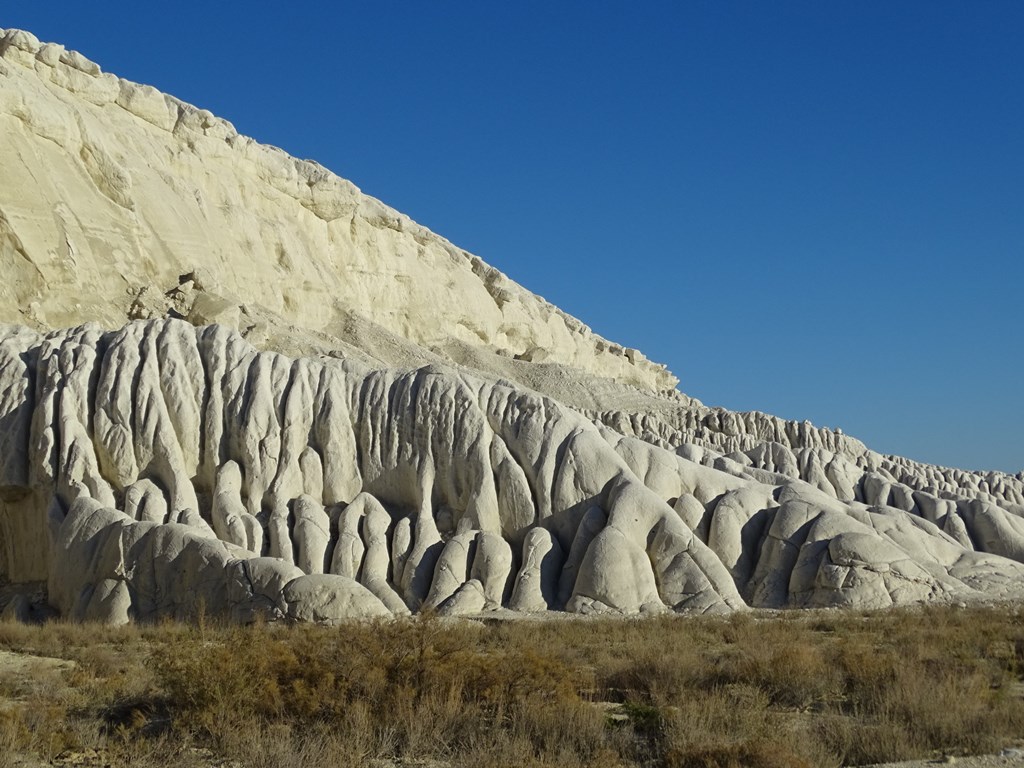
(162, 468)
(365, 420)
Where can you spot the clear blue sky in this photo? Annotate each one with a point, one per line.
(814, 209)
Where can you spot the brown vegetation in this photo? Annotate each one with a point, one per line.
(793, 689)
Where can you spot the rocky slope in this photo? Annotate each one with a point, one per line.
(230, 382)
(136, 203)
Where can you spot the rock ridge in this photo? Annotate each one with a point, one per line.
(151, 466)
(231, 383)
(181, 191)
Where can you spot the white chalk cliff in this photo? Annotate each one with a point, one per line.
(231, 383)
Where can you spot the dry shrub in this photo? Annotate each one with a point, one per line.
(15, 735)
(918, 682)
(869, 742)
(735, 726)
(655, 676)
(412, 687)
(791, 673)
(867, 667)
(949, 709)
(16, 635)
(276, 745)
(768, 690)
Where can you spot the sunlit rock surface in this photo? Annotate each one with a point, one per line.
(231, 384)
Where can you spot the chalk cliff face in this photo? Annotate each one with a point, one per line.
(230, 383)
(119, 200)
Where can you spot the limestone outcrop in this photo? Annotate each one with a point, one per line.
(162, 469)
(356, 491)
(232, 385)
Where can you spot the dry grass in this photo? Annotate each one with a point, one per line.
(821, 689)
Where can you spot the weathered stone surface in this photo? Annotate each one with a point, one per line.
(246, 480)
(435, 437)
(329, 599)
(169, 185)
(417, 442)
(536, 584)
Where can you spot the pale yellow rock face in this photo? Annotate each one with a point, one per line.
(113, 192)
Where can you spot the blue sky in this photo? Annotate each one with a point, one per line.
(810, 209)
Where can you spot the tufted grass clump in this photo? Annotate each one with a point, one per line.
(768, 690)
